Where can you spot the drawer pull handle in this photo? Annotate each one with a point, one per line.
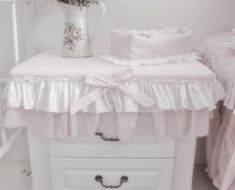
(106, 139)
(99, 179)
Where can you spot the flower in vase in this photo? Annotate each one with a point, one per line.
(80, 3)
(72, 34)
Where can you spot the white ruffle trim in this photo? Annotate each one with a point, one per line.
(59, 95)
(112, 125)
(184, 58)
(228, 84)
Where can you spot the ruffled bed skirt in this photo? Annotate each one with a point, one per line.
(123, 126)
(61, 95)
(221, 151)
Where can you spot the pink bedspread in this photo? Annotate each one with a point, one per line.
(221, 151)
(219, 54)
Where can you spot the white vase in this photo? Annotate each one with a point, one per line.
(77, 38)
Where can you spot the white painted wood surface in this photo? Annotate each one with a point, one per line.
(6, 142)
(79, 174)
(145, 147)
(6, 146)
(184, 163)
(39, 160)
(12, 178)
(58, 171)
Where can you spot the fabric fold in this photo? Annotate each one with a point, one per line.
(219, 56)
(176, 59)
(124, 126)
(103, 85)
(142, 95)
(229, 100)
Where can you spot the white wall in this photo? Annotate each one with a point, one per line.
(203, 16)
(46, 22)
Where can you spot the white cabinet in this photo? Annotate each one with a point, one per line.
(145, 147)
(143, 163)
(94, 164)
(70, 173)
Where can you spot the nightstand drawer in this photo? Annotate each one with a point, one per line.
(144, 147)
(70, 174)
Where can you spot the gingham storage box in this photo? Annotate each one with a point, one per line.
(132, 44)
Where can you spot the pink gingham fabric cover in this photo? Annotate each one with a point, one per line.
(219, 54)
(221, 151)
(63, 97)
(132, 44)
(150, 47)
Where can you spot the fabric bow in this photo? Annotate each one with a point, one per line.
(103, 85)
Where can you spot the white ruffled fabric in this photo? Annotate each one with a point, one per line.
(123, 126)
(58, 95)
(183, 58)
(85, 96)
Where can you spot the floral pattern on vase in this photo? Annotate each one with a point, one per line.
(72, 35)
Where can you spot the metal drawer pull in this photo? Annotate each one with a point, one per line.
(106, 139)
(99, 179)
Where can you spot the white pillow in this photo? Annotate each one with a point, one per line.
(132, 44)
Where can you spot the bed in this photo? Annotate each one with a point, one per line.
(218, 52)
